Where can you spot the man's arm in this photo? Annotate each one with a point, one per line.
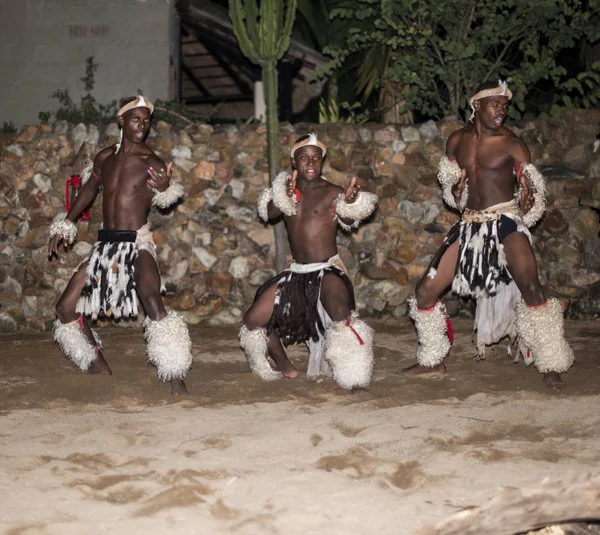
(451, 177)
(353, 206)
(159, 179)
(66, 230)
(280, 199)
(519, 152)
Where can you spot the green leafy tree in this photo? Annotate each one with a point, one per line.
(428, 57)
(264, 35)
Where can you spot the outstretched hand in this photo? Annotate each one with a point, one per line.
(160, 180)
(292, 183)
(53, 245)
(352, 191)
(526, 200)
(460, 187)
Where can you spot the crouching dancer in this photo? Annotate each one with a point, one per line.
(488, 255)
(123, 260)
(313, 300)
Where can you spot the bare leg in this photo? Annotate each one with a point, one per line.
(147, 279)
(428, 291)
(65, 312)
(523, 269)
(258, 317)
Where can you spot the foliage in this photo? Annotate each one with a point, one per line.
(9, 128)
(264, 35)
(330, 112)
(90, 111)
(431, 55)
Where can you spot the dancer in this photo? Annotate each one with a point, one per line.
(123, 260)
(313, 300)
(488, 254)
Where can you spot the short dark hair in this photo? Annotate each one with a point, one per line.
(302, 138)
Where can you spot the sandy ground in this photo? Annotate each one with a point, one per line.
(82, 454)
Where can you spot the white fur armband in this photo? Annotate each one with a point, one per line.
(281, 199)
(265, 198)
(449, 174)
(360, 209)
(164, 199)
(64, 228)
(538, 185)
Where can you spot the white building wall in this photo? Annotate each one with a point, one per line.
(44, 45)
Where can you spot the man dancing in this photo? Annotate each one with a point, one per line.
(313, 300)
(123, 260)
(488, 254)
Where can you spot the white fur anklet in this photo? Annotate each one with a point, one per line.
(64, 228)
(74, 344)
(432, 333)
(349, 352)
(169, 347)
(542, 330)
(281, 199)
(164, 199)
(254, 344)
(360, 209)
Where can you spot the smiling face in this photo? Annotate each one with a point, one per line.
(491, 111)
(135, 123)
(308, 161)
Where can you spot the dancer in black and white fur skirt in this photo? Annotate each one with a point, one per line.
(488, 254)
(313, 300)
(122, 265)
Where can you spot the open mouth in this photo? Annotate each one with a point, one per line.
(498, 120)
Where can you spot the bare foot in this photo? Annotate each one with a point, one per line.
(178, 388)
(286, 368)
(418, 369)
(553, 380)
(99, 366)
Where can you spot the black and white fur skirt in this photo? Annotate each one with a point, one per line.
(110, 288)
(297, 313)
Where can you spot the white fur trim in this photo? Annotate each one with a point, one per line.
(432, 333)
(350, 361)
(542, 329)
(169, 346)
(265, 198)
(538, 184)
(64, 228)
(164, 199)
(281, 199)
(254, 344)
(360, 209)
(74, 344)
(448, 175)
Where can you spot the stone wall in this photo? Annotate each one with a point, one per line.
(213, 251)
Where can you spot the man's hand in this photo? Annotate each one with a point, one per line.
(292, 183)
(160, 180)
(526, 201)
(352, 191)
(53, 245)
(458, 189)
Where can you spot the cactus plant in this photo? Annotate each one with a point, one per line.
(264, 35)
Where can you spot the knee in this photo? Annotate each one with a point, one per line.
(252, 321)
(65, 313)
(339, 311)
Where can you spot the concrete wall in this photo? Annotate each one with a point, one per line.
(45, 43)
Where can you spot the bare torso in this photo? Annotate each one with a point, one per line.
(312, 230)
(489, 162)
(127, 196)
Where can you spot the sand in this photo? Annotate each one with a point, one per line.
(85, 454)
